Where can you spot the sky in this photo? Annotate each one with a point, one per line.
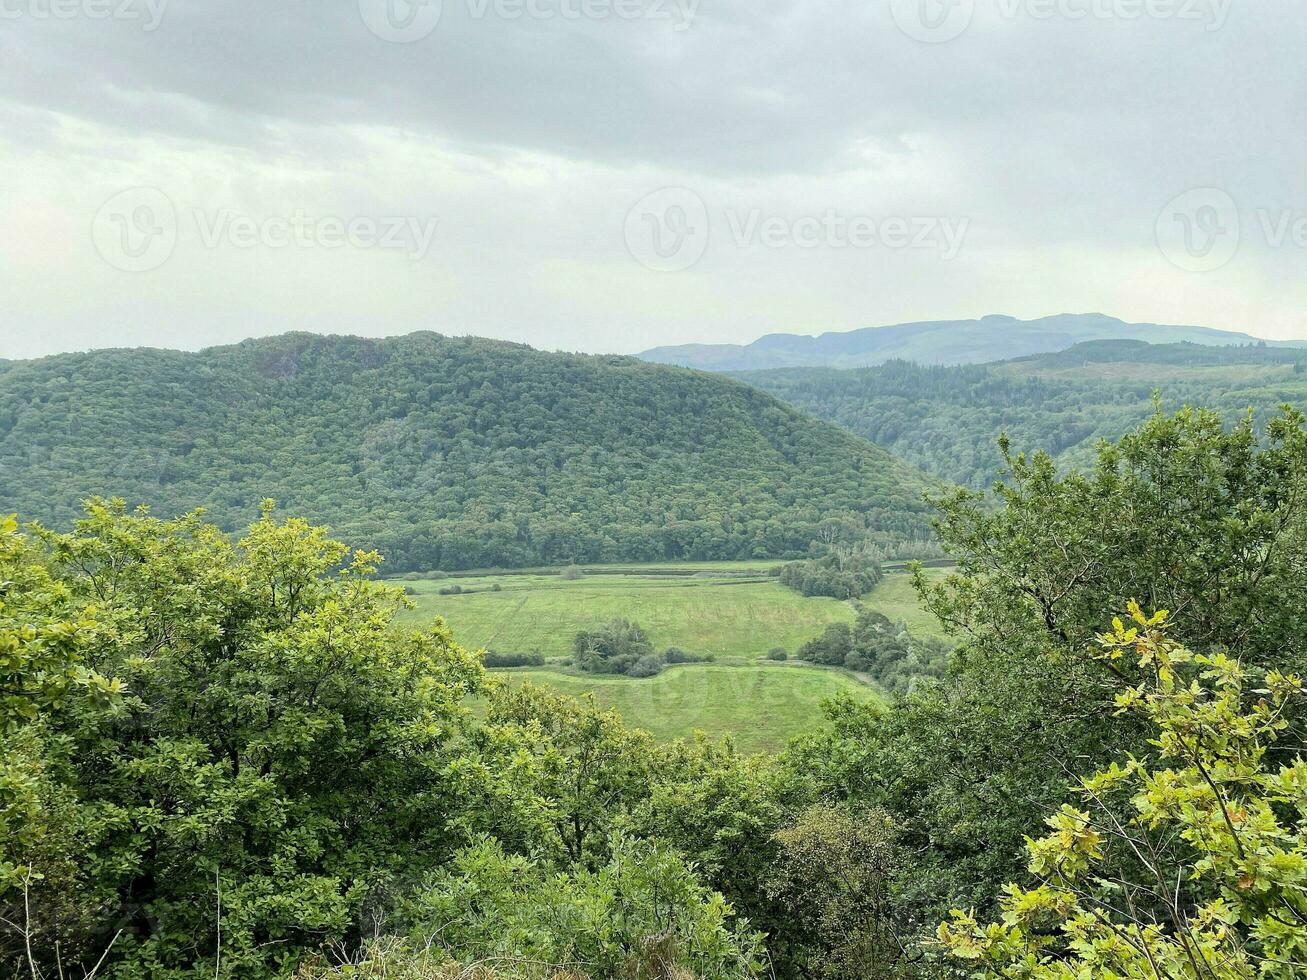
(611, 175)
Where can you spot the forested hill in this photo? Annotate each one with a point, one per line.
(947, 419)
(446, 453)
(991, 338)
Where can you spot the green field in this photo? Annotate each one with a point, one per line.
(732, 610)
(761, 706)
(896, 598)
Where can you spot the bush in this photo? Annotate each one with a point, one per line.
(830, 648)
(571, 573)
(612, 648)
(643, 914)
(496, 588)
(857, 661)
(533, 659)
(840, 577)
(777, 653)
(452, 590)
(675, 655)
(649, 666)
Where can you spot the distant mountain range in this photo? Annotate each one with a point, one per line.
(947, 419)
(991, 338)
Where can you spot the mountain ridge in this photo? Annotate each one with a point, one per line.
(446, 452)
(995, 337)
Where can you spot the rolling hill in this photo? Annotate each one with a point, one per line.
(446, 452)
(992, 338)
(947, 419)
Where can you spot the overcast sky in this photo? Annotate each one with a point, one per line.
(608, 175)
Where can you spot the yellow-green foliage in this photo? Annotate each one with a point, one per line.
(1193, 864)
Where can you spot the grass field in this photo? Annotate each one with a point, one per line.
(724, 610)
(895, 597)
(732, 610)
(761, 705)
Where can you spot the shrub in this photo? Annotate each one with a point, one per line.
(675, 655)
(452, 590)
(533, 659)
(648, 666)
(777, 653)
(837, 576)
(571, 573)
(830, 648)
(612, 648)
(1205, 842)
(643, 914)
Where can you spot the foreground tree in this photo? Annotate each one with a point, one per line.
(1190, 866)
(642, 915)
(1181, 514)
(277, 751)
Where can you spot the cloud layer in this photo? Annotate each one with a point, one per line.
(187, 173)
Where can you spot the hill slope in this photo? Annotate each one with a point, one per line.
(445, 453)
(947, 419)
(992, 338)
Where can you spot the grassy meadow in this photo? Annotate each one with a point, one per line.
(761, 706)
(728, 611)
(734, 611)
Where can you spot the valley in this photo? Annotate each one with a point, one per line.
(733, 612)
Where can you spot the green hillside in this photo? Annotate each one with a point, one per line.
(991, 338)
(446, 452)
(947, 419)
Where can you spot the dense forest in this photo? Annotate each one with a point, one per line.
(222, 757)
(947, 419)
(448, 453)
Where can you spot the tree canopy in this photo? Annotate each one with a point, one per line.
(449, 453)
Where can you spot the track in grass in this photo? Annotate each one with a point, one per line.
(761, 706)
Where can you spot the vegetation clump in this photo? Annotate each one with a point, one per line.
(886, 651)
(225, 757)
